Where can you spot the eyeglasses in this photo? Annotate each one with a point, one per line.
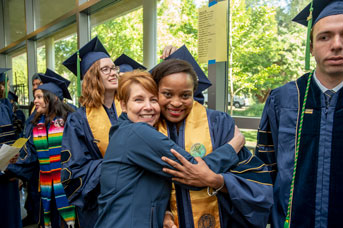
(107, 70)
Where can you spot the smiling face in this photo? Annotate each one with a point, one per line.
(175, 94)
(142, 106)
(110, 81)
(41, 106)
(327, 46)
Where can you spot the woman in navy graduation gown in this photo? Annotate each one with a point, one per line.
(134, 189)
(246, 197)
(86, 133)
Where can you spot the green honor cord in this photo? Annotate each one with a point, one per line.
(6, 92)
(287, 221)
(308, 42)
(78, 86)
(307, 68)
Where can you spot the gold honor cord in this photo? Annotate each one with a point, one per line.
(307, 68)
(6, 92)
(78, 86)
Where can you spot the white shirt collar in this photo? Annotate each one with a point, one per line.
(323, 88)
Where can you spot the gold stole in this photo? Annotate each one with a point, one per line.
(100, 125)
(197, 131)
(33, 109)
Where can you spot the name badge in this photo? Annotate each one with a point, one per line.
(308, 111)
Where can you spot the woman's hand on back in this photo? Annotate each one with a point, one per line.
(198, 175)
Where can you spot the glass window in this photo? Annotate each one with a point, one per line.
(14, 20)
(267, 50)
(177, 24)
(41, 57)
(19, 76)
(65, 44)
(48, 10)
(120, 30)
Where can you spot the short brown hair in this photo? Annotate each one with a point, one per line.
(139, 77)
(92, 87)
(173, 66)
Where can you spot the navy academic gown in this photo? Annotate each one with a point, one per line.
(134, 190)
(81, 162)
(318, 192)
(9, 192)
(249, 197)
(27, 169)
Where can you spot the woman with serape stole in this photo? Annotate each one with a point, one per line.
(242, 197)
(48, 124)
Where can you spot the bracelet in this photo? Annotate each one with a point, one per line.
(169, 213)
(215, 192)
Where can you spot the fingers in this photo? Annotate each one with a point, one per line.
(168, 221)
(199, 160)
(167, 51)
(179, 157)
(173, 163)
(173, 172)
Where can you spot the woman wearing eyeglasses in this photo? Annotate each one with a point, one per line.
(86, 133)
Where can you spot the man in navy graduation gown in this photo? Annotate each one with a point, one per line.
(317, 198)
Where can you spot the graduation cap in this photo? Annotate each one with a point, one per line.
(89, 53)
(321, 9)
(126, 64)
(54, 85)
(312, 13)
(12, 96)
(2, 73)
(53, 74)
(203, 82)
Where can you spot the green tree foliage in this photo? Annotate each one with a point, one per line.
(265, 54)
(122, 35)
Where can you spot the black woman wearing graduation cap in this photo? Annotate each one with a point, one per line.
(9, 192)
(238, 198)
(86, 134)
(300, 135)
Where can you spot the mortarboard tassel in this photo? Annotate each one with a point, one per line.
(308, 42)
(78, 76)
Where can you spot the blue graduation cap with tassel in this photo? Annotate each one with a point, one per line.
(312, 13)
(83, 59)
(127, 64)
(53, 74)
(203, 82)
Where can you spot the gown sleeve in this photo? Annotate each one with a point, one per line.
(266, 148)
(27, 165)
(81, 162)
(250, 195)
(147, 146)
